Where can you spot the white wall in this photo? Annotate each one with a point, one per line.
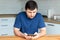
(14, 6)
(10, 6)
(45, 5)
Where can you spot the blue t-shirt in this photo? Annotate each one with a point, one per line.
(27, 25)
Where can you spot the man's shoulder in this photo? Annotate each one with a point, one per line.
(39, 14)
(21, 13)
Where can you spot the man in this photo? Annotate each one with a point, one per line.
(29, 22)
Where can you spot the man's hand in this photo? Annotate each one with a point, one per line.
(42, 33)
(28, 37)
(35, 37)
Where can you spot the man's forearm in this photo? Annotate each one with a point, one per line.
(41, 34)
(18, 33)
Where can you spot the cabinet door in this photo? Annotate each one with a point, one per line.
(7, 20)
(6, 26)
(53, 28)
(6, 32)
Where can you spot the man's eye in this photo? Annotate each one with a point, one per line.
(33, 12)
(29, 12)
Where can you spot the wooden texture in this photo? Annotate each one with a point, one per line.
(51, 20)
(20, 38)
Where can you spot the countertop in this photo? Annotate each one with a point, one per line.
(51, 20)
(45, 18)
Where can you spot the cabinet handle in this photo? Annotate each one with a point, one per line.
(4, 25)
(50, 25)
(4, 19)
(4, 34)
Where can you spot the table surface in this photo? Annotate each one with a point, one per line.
(57, 37)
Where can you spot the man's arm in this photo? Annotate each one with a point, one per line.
(18, 33)
(42, 33)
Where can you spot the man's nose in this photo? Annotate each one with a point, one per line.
(31, 14)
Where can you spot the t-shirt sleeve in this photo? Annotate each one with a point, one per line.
(17, 23)
(41, 22)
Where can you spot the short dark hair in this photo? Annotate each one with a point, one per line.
(31, 5)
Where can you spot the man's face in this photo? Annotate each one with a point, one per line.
(31, 13)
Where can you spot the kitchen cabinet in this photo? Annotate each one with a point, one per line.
(52, 28)
(6, 26)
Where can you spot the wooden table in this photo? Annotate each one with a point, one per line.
(20, 38)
